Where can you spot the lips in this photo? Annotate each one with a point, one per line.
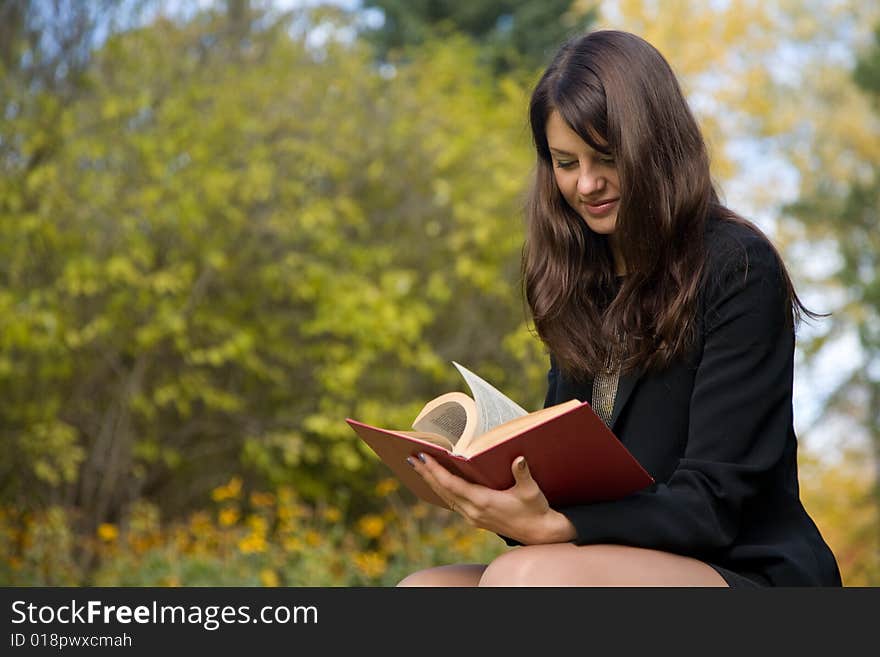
(601, 208)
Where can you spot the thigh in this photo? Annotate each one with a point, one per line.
(461, 574)
(566, 564)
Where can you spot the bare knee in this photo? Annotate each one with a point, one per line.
(522, 566)
(451, 575)
(596, 565)
(426, 577)
(561, 564)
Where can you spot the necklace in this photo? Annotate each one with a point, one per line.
(605, 383)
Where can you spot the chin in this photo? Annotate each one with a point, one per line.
(604, 226)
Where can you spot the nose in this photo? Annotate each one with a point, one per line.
(589, 181)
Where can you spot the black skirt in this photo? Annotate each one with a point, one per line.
(741, 580)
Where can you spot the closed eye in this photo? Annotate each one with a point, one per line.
(565, 164)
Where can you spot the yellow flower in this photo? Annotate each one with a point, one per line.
(371, 526)
(228, 517)
(258, 524)
(200, 522)
(181, 539)
(108, 532)
(139, 544)
(313, 538)
(386, 487)
(371, 564)
(269, 577)
(252, 543)
(464, 544)
(262, 499)
(332, 514)
(293, 511)
(285, 514)
(228, 492)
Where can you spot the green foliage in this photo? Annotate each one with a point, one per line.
(849, 215)
(867, 71)
(231, 246)
(217, 242)
(242, 539)
(512, 35)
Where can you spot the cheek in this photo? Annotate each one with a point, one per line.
(615, 181)
(564, 185)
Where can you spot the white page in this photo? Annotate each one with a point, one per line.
(493, 406)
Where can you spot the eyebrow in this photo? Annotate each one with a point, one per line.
(560, 152)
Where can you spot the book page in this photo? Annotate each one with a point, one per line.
(493, 406)
(436, 439)
(513, 427)
(453, 415)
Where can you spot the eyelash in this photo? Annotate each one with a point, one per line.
(608, 161)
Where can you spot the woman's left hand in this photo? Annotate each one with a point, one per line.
(520, 512)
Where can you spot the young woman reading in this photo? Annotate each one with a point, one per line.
(675, 318)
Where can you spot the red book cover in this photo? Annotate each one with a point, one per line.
(574, 458)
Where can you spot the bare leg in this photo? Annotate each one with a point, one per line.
(452, 575)
(566, 564)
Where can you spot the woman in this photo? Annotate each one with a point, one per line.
(675, 318)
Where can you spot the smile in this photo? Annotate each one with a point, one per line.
(601, 209)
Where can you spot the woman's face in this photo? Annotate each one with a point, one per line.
(586, 178)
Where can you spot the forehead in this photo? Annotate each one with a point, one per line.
(561, 136)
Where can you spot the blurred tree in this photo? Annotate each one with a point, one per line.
(848, 215)
(45, 50)
(48, 44)
(838, 493)
(511, 34)
(239, 242)
(720, 51)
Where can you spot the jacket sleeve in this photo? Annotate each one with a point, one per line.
(740, 417)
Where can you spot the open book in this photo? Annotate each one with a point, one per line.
(572, 455)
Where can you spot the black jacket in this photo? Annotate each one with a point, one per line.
(716, 432)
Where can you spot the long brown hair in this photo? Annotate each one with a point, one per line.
(618, 93)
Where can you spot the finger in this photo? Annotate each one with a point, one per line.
(453, 489)
(521, 473)
(417, 465)
(455, 485)
(426, 474)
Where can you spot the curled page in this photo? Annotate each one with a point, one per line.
(493, 406)
(453, 415)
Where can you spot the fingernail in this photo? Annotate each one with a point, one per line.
(522, 464)
(409, 459)
(422, 458)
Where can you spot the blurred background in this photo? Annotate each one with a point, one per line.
(227, 226)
